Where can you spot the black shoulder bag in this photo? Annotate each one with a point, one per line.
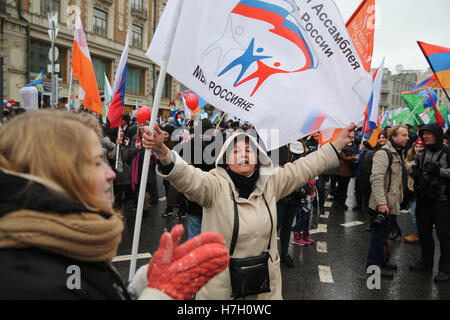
(249, 276)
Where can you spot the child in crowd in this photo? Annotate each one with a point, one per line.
(301, 233)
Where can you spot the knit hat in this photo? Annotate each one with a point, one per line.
(419, 141)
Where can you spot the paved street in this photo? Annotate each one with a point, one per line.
(331, 269)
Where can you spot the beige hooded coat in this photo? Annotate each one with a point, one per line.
(213, 191)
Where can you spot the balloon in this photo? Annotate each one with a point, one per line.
(143, 114)
(192, 101)
(427, 102)
(5, 102)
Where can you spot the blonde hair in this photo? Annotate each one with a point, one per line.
(393, 132)
(51, 145)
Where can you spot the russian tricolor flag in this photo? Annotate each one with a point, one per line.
(115, 111)
(371, 121)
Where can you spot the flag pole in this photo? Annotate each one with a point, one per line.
(155, 109)
(412, 112)
(118, 147)
(218, 123)
(70, 87)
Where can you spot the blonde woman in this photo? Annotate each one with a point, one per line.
(58, 230)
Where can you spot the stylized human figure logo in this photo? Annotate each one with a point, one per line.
(284, 24)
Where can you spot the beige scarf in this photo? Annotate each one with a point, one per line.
(82, 236)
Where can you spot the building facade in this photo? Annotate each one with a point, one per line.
(394, 84)
(25, 45)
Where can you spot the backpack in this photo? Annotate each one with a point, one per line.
(427, 189)
(365, 171)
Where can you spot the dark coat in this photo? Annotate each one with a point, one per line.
(31, 273)
(346, 168)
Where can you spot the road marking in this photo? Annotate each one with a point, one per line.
(325, 215)
(330, 196)
(321, 246)
(162, 199)
(352, 224)
(128, 257)
(325, 274)
(320, 228)
(328, 204)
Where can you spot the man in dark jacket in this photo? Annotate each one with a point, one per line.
(431, 175)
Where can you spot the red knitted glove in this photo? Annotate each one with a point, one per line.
(181, 271)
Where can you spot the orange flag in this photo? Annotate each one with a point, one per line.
(361, 28)
(83, 70)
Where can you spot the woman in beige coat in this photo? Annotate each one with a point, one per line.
(243, 172)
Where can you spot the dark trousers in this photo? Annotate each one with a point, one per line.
(341, 191)
(427, 214)
(321, 190)
(333, 183)
(378, 240)
(285, 217)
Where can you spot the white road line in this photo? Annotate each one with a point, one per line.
(326, 215)
(128, 257)
(330, 196)
(320, 228)
(325, 274)
(162, 199)
(352, 224)
(328, 204)
(321, 246)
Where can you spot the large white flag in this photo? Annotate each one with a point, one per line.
(278, 64)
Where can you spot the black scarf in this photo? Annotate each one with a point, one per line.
(244, 185)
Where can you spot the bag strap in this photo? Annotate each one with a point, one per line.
(389, 169)
(236, 226)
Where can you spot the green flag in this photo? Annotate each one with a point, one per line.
(401, 116)
(412, 101)
(444, 113)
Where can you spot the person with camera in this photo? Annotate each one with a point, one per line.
(431, 175)
(388, 182)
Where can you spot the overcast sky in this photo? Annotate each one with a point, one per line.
(399, 24)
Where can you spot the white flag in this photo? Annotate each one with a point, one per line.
(286, 65)
(424, 116)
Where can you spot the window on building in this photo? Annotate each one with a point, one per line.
(100, 19)
(136, 35)
(39, 60)
(135, 80)
(101, 67)
(166, 87)
(136, 4)
(50, 6)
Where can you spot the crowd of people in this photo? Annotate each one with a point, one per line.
(237, 199)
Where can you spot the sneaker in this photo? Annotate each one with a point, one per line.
(442, 277)
(386, 274)
(167, 212)
(412, 238)
(307, 238)
(420, 266)
(300, 242)
(390, 266)
(287, 260)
